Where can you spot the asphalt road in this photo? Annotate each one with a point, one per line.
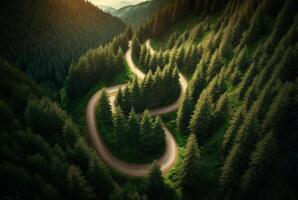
(169, 157)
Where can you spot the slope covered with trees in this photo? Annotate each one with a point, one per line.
(236, 126)
(42, 38)
(241, 100)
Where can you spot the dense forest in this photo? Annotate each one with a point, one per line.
(235, 127)
(42, 38)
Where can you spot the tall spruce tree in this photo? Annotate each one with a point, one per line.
(201, 118)
(184, 113)
(155, 181)
(190, 165)
(104, 111)
(77, 186)
(99, 177)
(119, 128)
(133, 129)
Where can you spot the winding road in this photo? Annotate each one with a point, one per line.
(169, 157)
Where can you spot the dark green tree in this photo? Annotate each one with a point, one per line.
(190, 165)
(99, 177)
(104, 111)
(133, 129)
(155, 181)
(201, 118)
(77, 186)
(184, 113)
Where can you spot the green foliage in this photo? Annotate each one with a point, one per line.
(99, 177)
(43, 39)
(104, 111)
(190, 166)
(184, 113)
(152, 134)
(100, 63)
(158, 89)
(155, 182)
(202, 117)
(119, 128)
(45, 117)
(261, 161)
(77, 187)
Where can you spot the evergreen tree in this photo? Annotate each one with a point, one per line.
(142, 59)
(133, 130)
(247, 80)
(242, 60)
(261, 161)
(229, 135)
(153, 62)
(119, 128)
(197, 83)
(104, 111)
(190, 166)
(221, 110)
(155, 182)
(81, 154)
(201, 118)
(77, 186)
(70, 132)
(126, 104)
(146, 131)
(135, 95)
(135, 47)
(158, 138)
(184, 113)
(99, 177)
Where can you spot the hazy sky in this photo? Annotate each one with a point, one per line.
(115, 3)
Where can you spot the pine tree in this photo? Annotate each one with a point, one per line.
(197, 83)
(155, 181)
(99, 177)
(143, 54)
(133, 130)
(119, 128)
(126, 104)
(215, 65)
(158, 138)
(202, 117)
(229, 135)
(247, 80)
(152, 136)
(147, 60)
(104, 112)
(261, 161)
(153, 62)
(81, 154)
(135, 95)
(179, 57)
(135, 47)
(221, 110)
(242, 60)
(70, 132)
(146, 129)
(77, 187)
(184, 113)
(190, 173)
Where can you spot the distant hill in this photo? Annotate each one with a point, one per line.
(108, 9)
(45, 37)
(137, 14)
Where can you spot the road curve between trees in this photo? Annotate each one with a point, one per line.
(168, 158)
